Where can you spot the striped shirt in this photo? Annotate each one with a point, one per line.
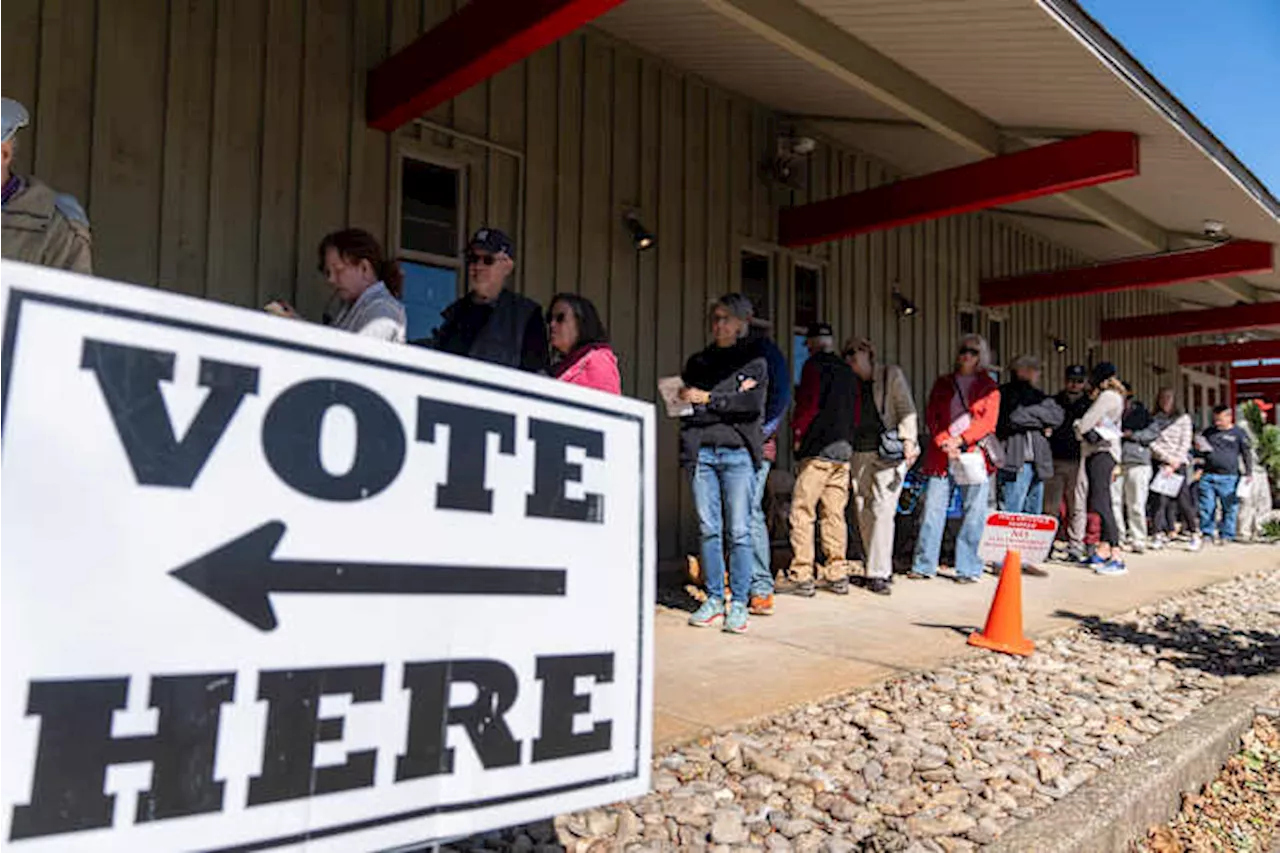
(376, 314)
(1173, 445)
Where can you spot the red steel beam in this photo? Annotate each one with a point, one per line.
(473, 44)
(1235, 257)
(1083, 161)
(1211, 353)
(1192, 322)
(1255, 372)
(1265, 390)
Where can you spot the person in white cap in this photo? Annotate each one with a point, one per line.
(41, 225)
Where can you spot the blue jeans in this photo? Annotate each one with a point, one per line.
(1021, 492)
(762, 569)
(1221, 487)
(723, 484)
(937, 495)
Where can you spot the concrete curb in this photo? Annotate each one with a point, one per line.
(1143, 789)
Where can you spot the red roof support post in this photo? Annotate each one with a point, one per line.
(473, 44)
(1083, 161)
(1211, 353)
(1206, 321)
(1235, 257)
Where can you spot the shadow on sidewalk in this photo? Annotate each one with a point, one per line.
(1191, 644)
(962, 630)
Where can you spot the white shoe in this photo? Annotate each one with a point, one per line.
(1195, 543)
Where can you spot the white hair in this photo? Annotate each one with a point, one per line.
(979, 343)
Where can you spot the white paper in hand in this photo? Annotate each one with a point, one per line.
(669, 388)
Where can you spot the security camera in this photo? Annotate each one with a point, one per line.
(1214, 229)
(803, 145)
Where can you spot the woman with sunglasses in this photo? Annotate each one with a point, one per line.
(580, 351)
(962, 412)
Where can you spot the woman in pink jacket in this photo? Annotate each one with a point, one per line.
(580, 351)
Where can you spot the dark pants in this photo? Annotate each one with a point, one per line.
(1168, 509)
(1099, 468)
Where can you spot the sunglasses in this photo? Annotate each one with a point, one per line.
(558, 317)
(476, 258)
(969, 351)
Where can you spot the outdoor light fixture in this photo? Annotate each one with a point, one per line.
(1059, 345)
(640, 236)
(903, 306)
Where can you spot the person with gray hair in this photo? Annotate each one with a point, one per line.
(40, 225)
(721, 446)
(1027, 417)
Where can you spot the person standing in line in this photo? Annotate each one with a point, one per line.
(1027, 417)
(40, 225)
(580, 345)
(1099, 434)
(1170, 453)
(1066, 481)
(491, 323)
(823, 432)
(1224, 447)
(1257, 502)
(959, 419)
(721, 444)
(885, 446)
(1131, 486)
(777, 400)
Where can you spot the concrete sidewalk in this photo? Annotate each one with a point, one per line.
(813, 648)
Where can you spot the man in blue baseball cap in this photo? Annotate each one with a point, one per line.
(491, 323)
(41, 226)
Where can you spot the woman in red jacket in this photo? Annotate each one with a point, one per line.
(963, 409)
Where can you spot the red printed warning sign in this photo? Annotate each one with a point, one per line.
(1030, 535)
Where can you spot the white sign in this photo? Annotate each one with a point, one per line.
(1030, 535)
(274, 586)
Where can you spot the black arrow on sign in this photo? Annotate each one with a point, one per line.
(241, 576)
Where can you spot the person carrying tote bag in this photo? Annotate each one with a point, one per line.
(960, 422)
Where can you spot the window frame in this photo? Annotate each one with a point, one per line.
(433, 157)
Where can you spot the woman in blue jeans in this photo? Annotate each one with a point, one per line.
(720, 447)
(962, 411)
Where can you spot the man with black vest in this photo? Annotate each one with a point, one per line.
(823, 429)
(491, 323)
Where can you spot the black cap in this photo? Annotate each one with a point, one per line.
(493, 240)
(819, 330)
(1102, 371)
(1077, 372)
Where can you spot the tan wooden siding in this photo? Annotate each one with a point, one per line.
(214, 143)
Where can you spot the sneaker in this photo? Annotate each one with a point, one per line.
(761, 605)
(1110, 567)
(805, 589)
(839, 587)
(880, 586)
(1138, 548)
(709, 615)
(736, 621)
(919, 576)
(1093, 561)
(1220, 541)
(966, 579)
(1195, 543)
(1159, 543)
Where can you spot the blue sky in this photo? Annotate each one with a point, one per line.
(1219, 57)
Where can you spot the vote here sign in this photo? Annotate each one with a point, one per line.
(268, 585)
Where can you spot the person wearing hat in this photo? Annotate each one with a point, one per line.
(1027, 416)
(823, 428)
(1066, 481)
(1099, 433)
(41, 225)
(490, 323)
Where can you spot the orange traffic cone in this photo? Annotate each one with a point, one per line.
(1004, 623)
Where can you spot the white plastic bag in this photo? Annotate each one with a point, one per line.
(1169, 485)
(1244, 488)
(970, 469)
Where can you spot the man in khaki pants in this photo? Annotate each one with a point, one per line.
(823, 429)
(883, 407)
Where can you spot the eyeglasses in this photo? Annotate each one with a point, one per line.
(477, 258)
(720, 318)
(969, 351)
(558, 317)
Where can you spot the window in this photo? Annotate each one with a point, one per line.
(968, 321)
(429, 233)
(995, 340)
(806, 284)
(754, 275)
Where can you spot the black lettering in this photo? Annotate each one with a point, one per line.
(76, 748)
(294, 727)
(551, 471)
(560, 704)
(130, 380)
(469, 430)
(291, 440)
(484, 720)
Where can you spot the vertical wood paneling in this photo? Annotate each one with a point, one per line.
(65, 119)
(719, 238)
(538, 254)
(367, 199)
(569, 165)
(506, 127)
(647, 263)
(281, 137)
(597, 214)
(693, 282)
(20, 66)
(624, 259)
(667, 329)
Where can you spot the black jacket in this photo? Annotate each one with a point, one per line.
(1141, 430)
(732, 418)
(1063, 442)
(509, 331)
(833, 420)
(1025, 413)
(1228, 453)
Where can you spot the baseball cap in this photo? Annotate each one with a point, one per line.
(1102, 371)
(818, 330)
(15, 117)
(1077, 373)
(493, 240)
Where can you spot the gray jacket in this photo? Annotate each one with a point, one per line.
(1142, 429)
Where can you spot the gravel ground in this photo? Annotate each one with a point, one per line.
(1237, 810)
(944, 760)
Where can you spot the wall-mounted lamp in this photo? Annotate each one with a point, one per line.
(1157, 369)
(1059, 345)
(903, 306)
(641, 237)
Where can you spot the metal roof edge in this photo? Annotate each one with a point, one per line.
(1094, 36)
